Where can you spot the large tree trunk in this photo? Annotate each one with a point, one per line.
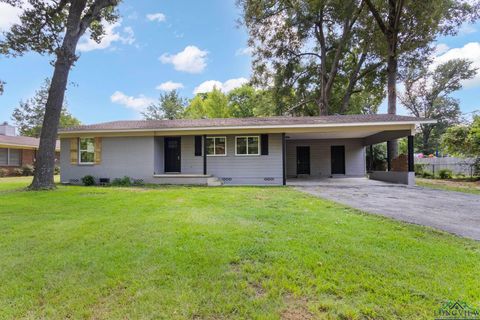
(45, 162)
(392, 66)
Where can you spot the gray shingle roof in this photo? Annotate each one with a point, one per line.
(240, 122)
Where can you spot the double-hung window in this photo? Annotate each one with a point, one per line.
(216, 146)
(247, 146)
(86, 150)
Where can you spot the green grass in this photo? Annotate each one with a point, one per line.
(450, 185)
(219, 253)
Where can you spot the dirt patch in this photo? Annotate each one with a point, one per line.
(296, 309)
(462, 183)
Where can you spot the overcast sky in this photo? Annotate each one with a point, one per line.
(162, 45)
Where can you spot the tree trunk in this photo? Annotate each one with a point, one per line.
(392, 146)
(45, 162)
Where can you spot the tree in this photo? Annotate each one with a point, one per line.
(246, 101)
(213, 104)
(408, 29)
(303, 47)
(54, 28)
(427, 95)
(28, 116)
(170, 106)
(464, 141)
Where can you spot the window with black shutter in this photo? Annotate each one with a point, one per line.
(264, 144)
(198, 146)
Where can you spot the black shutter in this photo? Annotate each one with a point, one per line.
(264, 144)
(198, 145)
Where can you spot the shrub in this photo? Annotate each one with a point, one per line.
(88, 180)
(419, 169)
(17, 172)
(56, 170)
(27, 170)
(3, 172)
(122, 182)
(427, 175)
(445, 174)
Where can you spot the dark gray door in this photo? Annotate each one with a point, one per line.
(303, 160)
(338, 159)
(172, 154)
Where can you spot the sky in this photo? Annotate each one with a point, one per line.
(158, 46)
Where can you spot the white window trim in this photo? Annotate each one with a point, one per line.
(80, 152)
(216, 155)
(247, 154)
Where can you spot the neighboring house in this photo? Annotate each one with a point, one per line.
(241, 151)
(17, 151)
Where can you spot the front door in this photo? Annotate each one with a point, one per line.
(338, 159)
(172, 154)
(303, 160)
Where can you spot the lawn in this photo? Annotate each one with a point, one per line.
(219, 253)
(459, 185)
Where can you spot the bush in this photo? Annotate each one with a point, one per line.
(427, 175)
(27, 170)
(419, 169)
(17, 172)
(88, 180)
(445, 174)
(56, 170)
(122, 182)
(3, 172)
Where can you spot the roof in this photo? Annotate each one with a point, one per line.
(21, 142)
(228, 123)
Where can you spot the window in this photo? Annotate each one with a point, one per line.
(10, 157)
(216, 146)
(247, 146)
(86, 150)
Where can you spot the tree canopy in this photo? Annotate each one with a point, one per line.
(169, 106)
(28, 116)
(427, 94)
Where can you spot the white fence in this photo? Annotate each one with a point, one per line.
(457, 165)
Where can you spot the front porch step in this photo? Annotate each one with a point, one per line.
(214, 182)
(187, 179)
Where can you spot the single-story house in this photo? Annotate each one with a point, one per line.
(17, 151)
(233, 151)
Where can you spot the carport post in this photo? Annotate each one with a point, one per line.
(389, 158)
(411, 167)
(204, 154)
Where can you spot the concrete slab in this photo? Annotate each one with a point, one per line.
(454, 212)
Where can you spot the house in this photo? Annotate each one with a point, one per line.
(17, 151)
(236, 151)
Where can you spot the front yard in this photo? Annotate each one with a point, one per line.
(214, 253)
(459, 185)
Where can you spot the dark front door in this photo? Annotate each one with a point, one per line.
(172, 154)
(303, 160)
(338, 159)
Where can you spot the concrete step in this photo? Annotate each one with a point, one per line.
(214, 182)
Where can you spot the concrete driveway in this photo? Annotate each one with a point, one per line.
(454, 212)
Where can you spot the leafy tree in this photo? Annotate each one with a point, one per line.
(54, 28)
(213, 104)
(170, 106)
(408, 28)
(304, 47)
(28, 116)
(427, 95)
(464, 141)
(246, 101)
